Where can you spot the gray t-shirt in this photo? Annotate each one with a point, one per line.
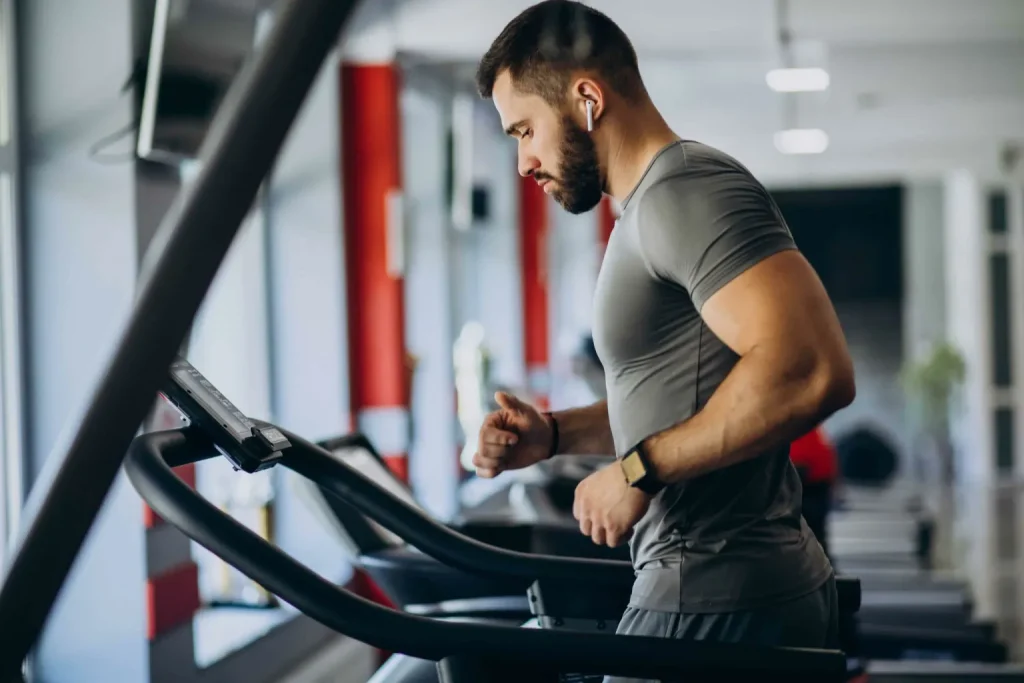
(734, 538)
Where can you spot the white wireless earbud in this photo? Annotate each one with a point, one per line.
(590, 116)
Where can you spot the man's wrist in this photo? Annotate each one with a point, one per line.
(555, 437)
(639, 472)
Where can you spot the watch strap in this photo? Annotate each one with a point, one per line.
(554, 435)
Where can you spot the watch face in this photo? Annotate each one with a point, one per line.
(633, 467)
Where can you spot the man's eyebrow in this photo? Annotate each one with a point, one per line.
(513, 128)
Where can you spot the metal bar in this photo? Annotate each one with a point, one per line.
(243, 142)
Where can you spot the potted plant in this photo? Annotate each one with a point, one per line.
(932, 383)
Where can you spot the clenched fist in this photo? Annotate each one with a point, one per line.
(607, 507)
(516, 435)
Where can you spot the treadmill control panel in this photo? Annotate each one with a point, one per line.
(249, 447)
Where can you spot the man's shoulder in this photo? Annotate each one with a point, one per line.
(697, 177)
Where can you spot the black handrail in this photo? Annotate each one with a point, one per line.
(430, 536)
(568, 651)
(449, 546)
(243, 141)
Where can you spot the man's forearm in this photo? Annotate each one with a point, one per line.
(755, 409)
(585, 431)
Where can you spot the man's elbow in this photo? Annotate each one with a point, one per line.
(835, 387)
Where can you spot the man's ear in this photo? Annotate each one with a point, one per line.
(586, 90)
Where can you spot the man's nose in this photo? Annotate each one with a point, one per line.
(527, 165)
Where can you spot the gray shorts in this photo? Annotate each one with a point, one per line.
(808, 621)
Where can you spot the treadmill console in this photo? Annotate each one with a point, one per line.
(248, 446)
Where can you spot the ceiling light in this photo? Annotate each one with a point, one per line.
(801, 141)
(797, 80)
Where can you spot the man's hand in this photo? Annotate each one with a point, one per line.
(512, 437)
(607, 507)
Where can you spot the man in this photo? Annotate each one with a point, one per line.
(586, 365)
(718, 341)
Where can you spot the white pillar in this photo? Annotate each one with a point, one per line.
(968, 323)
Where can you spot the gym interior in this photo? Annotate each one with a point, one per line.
(393, 271)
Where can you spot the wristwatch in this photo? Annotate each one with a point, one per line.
(636, 467)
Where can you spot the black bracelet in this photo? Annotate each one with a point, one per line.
(554, 435)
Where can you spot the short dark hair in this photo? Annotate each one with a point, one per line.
(545, 43)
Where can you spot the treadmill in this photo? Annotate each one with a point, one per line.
(464, 650)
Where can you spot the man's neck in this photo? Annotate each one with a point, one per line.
(633, 146)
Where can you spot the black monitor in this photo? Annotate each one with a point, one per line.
(196, 49)
(357, 534)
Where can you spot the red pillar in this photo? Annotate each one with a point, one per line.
(172, 590)
(533, 230)
(372, 183)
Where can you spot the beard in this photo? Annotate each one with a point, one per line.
(579, 185)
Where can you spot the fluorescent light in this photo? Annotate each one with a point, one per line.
(801, 141)
(797, 80)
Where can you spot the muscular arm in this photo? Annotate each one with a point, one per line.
(585, 431)
(793, 371)
(720, 237)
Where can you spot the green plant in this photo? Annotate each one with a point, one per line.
(932, 383)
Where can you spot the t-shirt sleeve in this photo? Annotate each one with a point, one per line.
(700, 233)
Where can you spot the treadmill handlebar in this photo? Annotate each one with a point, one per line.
(458, 550)
(177, 503)
(433, 538)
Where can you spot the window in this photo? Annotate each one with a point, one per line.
(1002, 344)
(11, 452)
(998, 222)
(1004, 445)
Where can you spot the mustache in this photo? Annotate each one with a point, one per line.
(540, 176)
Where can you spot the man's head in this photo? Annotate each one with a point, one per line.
(541, 72)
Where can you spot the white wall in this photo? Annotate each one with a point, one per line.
(80, 262)
(429, 314)
(575, 260)
(308, 308)
(874, 337)
(487, 260)
(229, 346)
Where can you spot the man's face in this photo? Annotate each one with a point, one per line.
(552, 147)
